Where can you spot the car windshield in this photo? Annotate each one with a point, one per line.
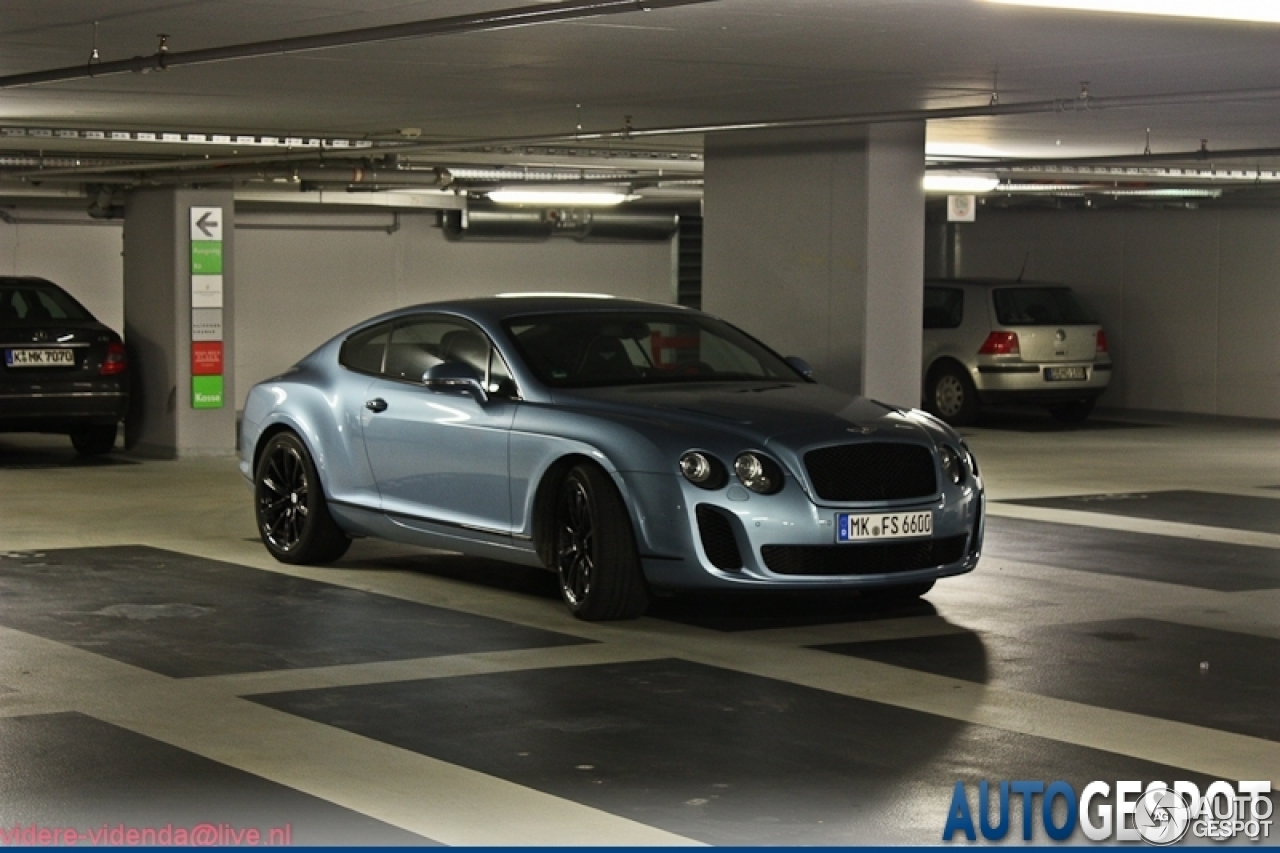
(593, 349)
(1040, 306)
(31, 304)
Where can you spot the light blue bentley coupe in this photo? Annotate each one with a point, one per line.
(632, 448)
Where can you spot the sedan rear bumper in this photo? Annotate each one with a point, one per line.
(62, 410)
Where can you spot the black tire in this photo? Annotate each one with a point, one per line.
(94, 440)
(949, 394)
(595, 549)
(901, 594)
(290, 507)
(1073, 412)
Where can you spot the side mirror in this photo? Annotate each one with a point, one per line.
(800, 366)
(456, 376)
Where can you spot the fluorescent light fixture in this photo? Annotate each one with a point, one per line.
(960, 184)
(1264, 11)
(567, 198)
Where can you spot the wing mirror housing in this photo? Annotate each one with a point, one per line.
(800, 366)
(456, 376)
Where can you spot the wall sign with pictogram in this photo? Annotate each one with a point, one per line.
(207, 364)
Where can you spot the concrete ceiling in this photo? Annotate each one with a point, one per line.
(716, 62)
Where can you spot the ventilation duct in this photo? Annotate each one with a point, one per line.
(543, 223)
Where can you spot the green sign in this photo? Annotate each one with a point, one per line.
(206, 257)
(206, 392)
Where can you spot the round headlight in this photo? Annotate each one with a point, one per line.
(702, 470)
(952, 464)
(758, 473)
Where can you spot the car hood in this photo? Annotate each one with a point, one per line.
(791, 413)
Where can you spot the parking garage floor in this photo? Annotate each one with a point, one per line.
(159, 669)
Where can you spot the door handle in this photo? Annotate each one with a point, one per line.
(377, 404)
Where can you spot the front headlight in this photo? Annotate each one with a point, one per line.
(953, 464)
(703, 470)
(758, 472)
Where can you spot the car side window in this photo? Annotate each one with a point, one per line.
(943, 307)
(417, 344)
(364, 350)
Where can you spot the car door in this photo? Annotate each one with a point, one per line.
(440, 457)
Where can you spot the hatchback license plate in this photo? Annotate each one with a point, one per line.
(893, 525)
(1065, 374)
(40, 358)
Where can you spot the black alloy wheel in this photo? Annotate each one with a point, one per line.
(292, 513)
(595, 552)
(94, 439)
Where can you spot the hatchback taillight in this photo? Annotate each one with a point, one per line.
(115, 363)
(1102, 341)
(1000, 343)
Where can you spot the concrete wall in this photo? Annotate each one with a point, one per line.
(298, 285)
(1190, 298)
(84, 258)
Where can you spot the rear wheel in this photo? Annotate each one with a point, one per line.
(94, 440)
(595, 550)
(1073, 412)
(950, 395)
(292, 513)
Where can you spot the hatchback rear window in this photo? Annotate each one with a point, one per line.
(1040, 306)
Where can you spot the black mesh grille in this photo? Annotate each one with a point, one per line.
(869, 559)
(872, 472)
(718, 541)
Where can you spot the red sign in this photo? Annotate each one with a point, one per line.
(206, 358)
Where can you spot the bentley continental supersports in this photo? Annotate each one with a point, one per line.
(632, 448)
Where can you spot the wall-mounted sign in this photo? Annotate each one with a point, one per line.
(206, 392)
(962, 208)
(206, 324)
(207, 360)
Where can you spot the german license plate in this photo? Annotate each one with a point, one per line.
(40, 358)
(851, 527)
(1065, 374)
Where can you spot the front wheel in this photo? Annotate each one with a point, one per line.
(595, 550)
(292, 513)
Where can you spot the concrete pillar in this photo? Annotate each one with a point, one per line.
(179, 288)
(814, 241)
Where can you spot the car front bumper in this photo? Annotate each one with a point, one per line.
(734, 539)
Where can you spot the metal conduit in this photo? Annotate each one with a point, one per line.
(1202, 155)
(1079, 104)
(163, 59)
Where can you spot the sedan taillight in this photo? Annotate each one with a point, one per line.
(1102, 340)
(115, 363)
(1000, 343)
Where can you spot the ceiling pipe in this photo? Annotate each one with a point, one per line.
(1202, 155)
(164, 59)
(988, 110)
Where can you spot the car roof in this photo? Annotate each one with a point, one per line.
(498, 308)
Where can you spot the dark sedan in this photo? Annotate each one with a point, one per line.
(63, 371)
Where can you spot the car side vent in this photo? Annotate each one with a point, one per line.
(716, 531)
(872, 471)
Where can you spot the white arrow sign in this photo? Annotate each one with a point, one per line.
(206, 223)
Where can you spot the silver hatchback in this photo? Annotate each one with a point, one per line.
(989, 342)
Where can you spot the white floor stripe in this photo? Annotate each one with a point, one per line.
(1103, 521)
